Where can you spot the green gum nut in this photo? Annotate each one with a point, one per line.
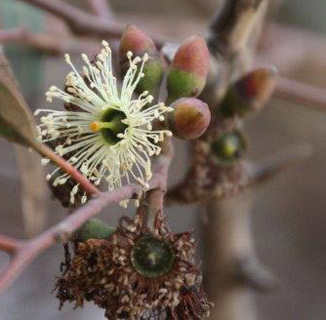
(136, 41)
(250, 93)
(152, 257)
(229, 148)
(93, 229)
(190, 118)
(188, 70)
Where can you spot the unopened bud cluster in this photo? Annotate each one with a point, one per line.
(186, 78)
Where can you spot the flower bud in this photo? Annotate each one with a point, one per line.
(188, 70)
(250, 93)
(229, 147)
(136, 41)
(93, 229)
(190, 118)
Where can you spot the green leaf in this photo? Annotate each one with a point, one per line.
(16, 120)
(94, 229)
(27, 64)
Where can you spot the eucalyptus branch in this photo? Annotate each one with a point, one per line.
(230, 30)
(47, 43)
(23, 252)
(82, 23)
(67, 167)
(79, 22)
(155, 198)
(300, 93)
(101, 8)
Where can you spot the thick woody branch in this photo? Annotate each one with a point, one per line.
(232, 27)
(82, 23)
(24, 252)
(300, 93)
(231, 267)
(227, 240)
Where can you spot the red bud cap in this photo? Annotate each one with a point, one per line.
(189, 69)
(190, 118)
(250, 93)
(136, 41)
(193, 57)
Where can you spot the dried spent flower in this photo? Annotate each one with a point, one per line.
(107, 135)
(136, 273)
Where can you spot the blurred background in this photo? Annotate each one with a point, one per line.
(288, 218)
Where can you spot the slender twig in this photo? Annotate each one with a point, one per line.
(8, 244)
(101, 8)
(23, 252)
(67, 167)
(79, 22)
(47, 43)
(82, 23)
(155, 198)
(300, 93)
(264, 170)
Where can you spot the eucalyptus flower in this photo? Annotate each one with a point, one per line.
(106, 131)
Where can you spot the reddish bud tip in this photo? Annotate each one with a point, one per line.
(136, 41)
(257, 86)
(192, 57)
(189, 69)
(250, 93)
(190, 118)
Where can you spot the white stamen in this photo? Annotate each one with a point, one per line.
(95, 92)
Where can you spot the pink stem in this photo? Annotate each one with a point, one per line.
(300, 93)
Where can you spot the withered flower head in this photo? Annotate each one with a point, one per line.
(137, 274)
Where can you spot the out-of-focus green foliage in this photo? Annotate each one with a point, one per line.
(27, 63)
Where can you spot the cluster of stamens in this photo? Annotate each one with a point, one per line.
(109, 134)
